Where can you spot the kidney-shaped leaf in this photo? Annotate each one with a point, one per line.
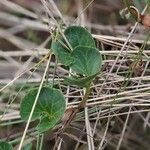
(76, 36)
(79, 36)
(87, 60)
(49, 108)
(5, 146)
(61, 52)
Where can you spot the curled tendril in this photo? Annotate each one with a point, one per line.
(131, 11)
(135, 13)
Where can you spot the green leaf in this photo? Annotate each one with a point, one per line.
(81, 82)
(79, 36)
(5, 146)
(27, 147)
(76, 36)
(87, 60)
(49, 108)
(62, 54)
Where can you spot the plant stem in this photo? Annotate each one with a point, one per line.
(54, 72)
(47, 74)
(82, 104)
(148, 6)
(41, 142)
(126, 3)
(37, 142)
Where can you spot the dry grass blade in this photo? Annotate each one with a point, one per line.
(119, 99)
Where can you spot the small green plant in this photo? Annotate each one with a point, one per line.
(83, 58)
(5, 146)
